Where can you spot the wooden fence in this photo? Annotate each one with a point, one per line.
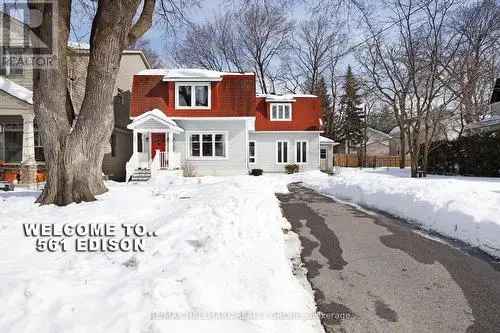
(355, 161)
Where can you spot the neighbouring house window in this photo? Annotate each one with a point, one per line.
(322, 153)
(11, 140)
(139, 142)
(301, 151)
(208, 145)
(281, 111)
(192, 95)
(282, 151)
(39, 155)
(251, 152)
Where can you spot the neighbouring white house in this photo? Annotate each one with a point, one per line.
(213, 123)
(21, 151)
(378, 144)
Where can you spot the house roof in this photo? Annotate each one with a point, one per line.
(188, 74)
(491, 121)
(16, 90)
(154, 119)
(81, 47)
(380, 132)
(283, 98)
(327, 141)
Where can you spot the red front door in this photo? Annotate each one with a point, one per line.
(157, 143)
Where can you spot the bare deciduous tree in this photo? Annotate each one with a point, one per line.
(212, 45)
(317, 40)
(474, 68)
(408, 73)
(263, 32)
(74, 140)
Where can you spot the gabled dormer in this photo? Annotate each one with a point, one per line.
(287, 112)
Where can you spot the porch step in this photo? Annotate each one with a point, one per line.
(141, 175)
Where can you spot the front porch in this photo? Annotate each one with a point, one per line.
(21, 152)
(153, 145)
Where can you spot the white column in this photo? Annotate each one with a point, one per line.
(28, 140)
(170, 149)
(170, 142)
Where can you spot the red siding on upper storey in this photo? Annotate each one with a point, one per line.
(234, 96)
(305, 116)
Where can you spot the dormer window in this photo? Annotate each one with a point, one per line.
(281, 111)
(192, 95)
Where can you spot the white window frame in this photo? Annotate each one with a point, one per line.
(201, 157)
(326, 153)
(302, 153)
(277, 105)
(254, 152)
(193, 86)
(282, 155)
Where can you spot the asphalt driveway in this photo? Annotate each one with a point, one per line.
(374, 273)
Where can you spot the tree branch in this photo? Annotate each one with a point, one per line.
(144, 22)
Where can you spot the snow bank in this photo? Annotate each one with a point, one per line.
(220, 251)
(462, 208)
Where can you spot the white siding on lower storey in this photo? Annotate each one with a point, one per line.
(234, 164)
(266, 155)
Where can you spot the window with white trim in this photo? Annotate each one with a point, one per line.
(322, 153)
(207, 145)
(301, 151)
(281, 111)
(251, 152)
(192, 95)
(281, 151)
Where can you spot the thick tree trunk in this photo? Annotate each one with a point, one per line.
(74, 152)
(402, 150)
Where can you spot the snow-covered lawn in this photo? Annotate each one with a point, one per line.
(463, 208)
(220, 251)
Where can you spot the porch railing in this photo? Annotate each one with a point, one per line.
(163, 160)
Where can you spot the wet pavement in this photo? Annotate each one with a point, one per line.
(375, 273)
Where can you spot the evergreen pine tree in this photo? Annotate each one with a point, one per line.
(351, 129)
(321, 90)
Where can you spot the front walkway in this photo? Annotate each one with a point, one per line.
(372, 273)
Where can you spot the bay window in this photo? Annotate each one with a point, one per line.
(192, 95)
(207, 145)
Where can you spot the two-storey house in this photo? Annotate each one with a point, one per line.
(213, 123)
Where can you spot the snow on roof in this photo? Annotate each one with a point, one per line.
(188, 74)
(16, 90)
(283, 98)
(325, 140)
(380, 132)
